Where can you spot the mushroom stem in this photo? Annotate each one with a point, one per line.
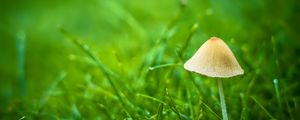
(222, 99)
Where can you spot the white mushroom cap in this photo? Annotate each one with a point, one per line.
(214, 59)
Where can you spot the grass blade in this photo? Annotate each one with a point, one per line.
(209, 109)
(173, 107)
(52, 87)
(188, 39)
(106, 112)
(262, 107)
(276, 87)
(21, 47)
(75, 112)
(244, 107)
(160, 112)
(151, 98)
(163, 65)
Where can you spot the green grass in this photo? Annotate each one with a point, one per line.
(123, 59)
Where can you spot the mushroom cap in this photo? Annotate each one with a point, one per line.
(214, 59)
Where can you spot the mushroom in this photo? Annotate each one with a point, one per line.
(215, 59)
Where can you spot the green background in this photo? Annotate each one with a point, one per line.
(123, 59)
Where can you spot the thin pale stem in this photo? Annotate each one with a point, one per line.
(222, 99)
(21, 57)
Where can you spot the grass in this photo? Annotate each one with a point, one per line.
(263, 108)
(123, 59)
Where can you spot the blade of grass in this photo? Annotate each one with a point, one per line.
(252, 81)
(200, 115)
(277, 73)
(106, 112)
(75, 112)
(190, 104)
(173, 107)
(262, 107)
(120, 62)
(151, 98)
(289, 108)
(22, 118)
(286, 90)
(188, 39)
(276, 87)
(52, 87)
(244, 107)
(160, 112)
(209, 109)
(21, 48)
(107, 93)
(128, 18)
(163, 65)
(275, 54)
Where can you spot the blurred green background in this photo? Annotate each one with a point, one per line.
(123, 59)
